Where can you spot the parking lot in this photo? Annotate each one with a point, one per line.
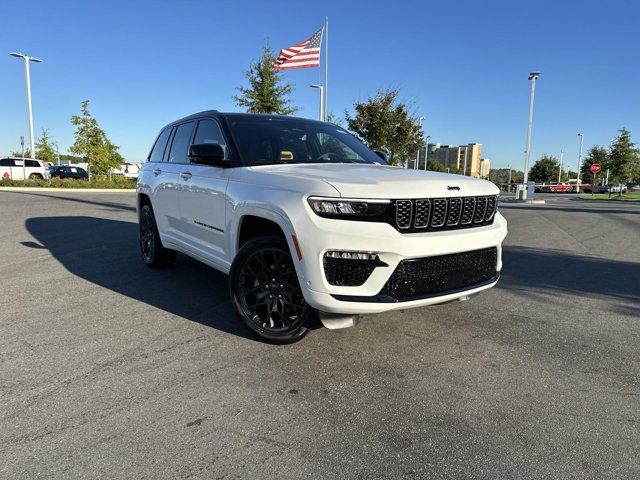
(112, 370)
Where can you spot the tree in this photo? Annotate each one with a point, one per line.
(622, 158)
(598, 155)
(18, 153)
(435, 166)
(46, 147)
(545, 170)
(384, 123)
(266, 92)
(92, 144)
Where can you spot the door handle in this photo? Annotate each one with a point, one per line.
(186, 175)
(157, 171)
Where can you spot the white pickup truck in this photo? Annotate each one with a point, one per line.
(308, 222)
(12, 168)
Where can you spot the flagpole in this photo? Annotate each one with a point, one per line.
(326, 68)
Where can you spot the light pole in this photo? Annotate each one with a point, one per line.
(28, 59)
(415, 167)
(560, 171)
(532, 78)
(321, 88)
(579, 162)
(426, 150)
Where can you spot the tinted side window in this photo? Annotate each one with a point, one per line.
(5, 162)
(180, 144)
(158, 148)
(32, 163)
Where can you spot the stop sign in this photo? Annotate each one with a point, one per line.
(595, 168)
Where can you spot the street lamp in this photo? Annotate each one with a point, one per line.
(321, 88)
(579, 162)
(420, 120)
(426, 150)
(28, 59)
(532, 78)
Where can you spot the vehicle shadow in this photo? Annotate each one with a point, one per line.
(554, 271)
(105, 252)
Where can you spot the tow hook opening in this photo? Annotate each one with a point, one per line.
(335, 321)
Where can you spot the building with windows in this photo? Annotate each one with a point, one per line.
(465, 158)
(485, 167)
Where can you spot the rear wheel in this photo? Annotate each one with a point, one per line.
(153, 253)
(265, 291)
(36, 176)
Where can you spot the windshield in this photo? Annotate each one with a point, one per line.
(267, 141)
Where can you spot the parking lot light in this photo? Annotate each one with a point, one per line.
(28, 59)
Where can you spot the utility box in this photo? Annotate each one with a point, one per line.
(520, 191)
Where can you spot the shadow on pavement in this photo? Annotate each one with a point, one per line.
(556, 271)
(105, 252)
(118, 206)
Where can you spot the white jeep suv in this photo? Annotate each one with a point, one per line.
(308, 222)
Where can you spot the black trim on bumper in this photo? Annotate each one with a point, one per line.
(389, 299)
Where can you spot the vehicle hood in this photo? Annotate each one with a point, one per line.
(381, 181)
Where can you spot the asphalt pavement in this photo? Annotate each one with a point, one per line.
(112, 370)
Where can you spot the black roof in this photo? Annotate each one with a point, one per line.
(238, 115)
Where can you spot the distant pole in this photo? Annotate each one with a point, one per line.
(415, 167)
(532, 78)
(509, 177)
(322, 113)
(426, 151)
(27, 76)
(24, 170)
(560, 171)
(326, 68)
(579, 162)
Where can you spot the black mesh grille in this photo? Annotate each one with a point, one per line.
(423, 210)
(347, 273)
(468, 209)
(439, 212)
(404, 210)
(434, 275)
(481, 210)
(442, 213)
(455, 209)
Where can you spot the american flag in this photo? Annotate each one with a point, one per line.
(305, 54)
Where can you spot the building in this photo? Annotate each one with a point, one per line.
(485, 167)
(465, 158)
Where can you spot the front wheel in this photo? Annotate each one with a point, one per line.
(265, 291)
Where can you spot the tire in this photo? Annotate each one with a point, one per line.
(36, 176)
(153, 253)
(265, 292)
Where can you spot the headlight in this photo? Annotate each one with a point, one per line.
(348, 208)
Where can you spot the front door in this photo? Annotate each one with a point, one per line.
(203, 200)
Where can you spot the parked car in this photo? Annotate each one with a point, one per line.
(612, 188)
(633, 186)
(307, 221)
(64, 171)
(556, 187)
(12, 168)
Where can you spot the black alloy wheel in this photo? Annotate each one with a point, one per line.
(265, 291)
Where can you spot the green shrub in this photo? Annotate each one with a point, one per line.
(117, 182)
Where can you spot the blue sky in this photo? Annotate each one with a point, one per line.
(463, 65)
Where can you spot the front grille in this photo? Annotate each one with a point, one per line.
(346, 273)
(441, 274)
(442, 213)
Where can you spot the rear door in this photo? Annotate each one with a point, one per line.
(203, 198)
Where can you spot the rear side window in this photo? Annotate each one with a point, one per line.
(6, 162)
(180, 145)
(158, 149)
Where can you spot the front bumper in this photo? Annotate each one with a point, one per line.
(318, 235)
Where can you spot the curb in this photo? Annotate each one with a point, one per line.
(525, 202)
(74, 190)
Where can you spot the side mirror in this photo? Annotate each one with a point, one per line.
(208, 154)
(382, 155)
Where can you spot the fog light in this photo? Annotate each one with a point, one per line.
(367, 256)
